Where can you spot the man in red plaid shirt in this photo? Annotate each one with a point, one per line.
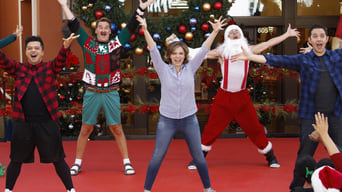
(35, 111)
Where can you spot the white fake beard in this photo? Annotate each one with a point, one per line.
(232, 47)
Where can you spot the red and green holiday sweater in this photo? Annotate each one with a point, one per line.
(102, 60)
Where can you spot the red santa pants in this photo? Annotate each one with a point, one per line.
(228, 106)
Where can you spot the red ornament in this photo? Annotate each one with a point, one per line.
(218, 5)
(98, 14)
(182, 29)
(133, 37)
(205, 27)
(141, 31)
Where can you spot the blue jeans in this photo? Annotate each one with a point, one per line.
(308, 147)
(166, 129)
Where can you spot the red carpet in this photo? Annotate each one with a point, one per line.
(234, 165)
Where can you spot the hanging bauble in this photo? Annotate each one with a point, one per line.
(141, 31)
(84, 8)
(113, 27)
(212, 16)
(98, 14)
(159, 47)
(138, 51)
(84, 18)
(181, 39)
(193, 29)
(192, 21)
(197, 8)
(206, 35)
(108, 8)
(123, 25)
(182, 29)
(168, 29)
(61, 97)
(92, 1)
(80, 90)
(71, 126)
(90, 5)
(93, 24)
(118, 31)
(217, 5)
(156, 37)
(205, 27)
(127, 46)
(133, 37)
(188, 36)
(206, 7)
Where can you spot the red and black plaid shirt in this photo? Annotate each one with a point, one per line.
(44, 75)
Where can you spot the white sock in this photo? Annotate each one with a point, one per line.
(125, 161)
(78, 161)
(7, 190)
(71, 190)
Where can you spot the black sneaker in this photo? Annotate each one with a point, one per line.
(272, 160)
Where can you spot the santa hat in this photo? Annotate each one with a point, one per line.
(231, 27)
(326, 179)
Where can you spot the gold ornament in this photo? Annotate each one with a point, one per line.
(93, 24)
(90, 5)
(138, 51)
(189, 36)
(123, 25)
(212, 16)
(206, 7)
(80, 90)
(84, 8)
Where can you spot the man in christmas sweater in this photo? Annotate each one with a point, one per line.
(102, 77)
(232, 100)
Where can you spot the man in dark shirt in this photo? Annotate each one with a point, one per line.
(35, 111)
(321, 88)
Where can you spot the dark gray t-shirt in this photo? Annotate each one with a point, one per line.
(326, 92)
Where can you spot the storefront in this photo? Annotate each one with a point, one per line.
(274, 92)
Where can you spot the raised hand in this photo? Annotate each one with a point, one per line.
(305, 49)
(244, 55)
(144, 5)
(62, 2)
(292, 32)
(142, 22)
(18, 31)
(67, 42)
(218, 24)
(321, 125)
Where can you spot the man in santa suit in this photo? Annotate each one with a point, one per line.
(232, 100)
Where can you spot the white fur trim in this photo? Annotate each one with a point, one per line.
(7, 190)
(205, 148)
(317, 184)
(231, 27)
(267, 149)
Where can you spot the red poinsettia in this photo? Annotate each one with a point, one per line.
(152, 75)
(131, 109)
(154, 108)
(72, 60)
(142, 71)
(144, 109)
